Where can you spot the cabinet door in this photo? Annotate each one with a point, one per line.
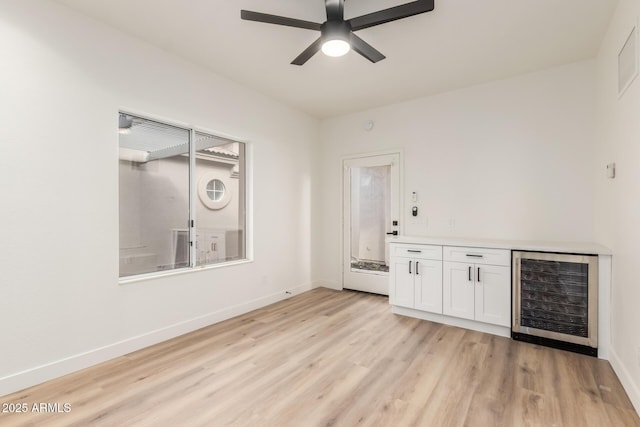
(211, 248)
(401, 283)
(493, 294)
(457, 289)
(428, 285)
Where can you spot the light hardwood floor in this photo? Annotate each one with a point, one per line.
(328, 358)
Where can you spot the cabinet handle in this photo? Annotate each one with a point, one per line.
(478, 276)
(414, 251)
(475, 256)
(417, 264)
(410, 266)
(470, 273)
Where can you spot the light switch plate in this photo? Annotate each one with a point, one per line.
(611, 170)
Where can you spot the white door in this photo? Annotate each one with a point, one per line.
(371, 207)
(493, 294)
(457, 288)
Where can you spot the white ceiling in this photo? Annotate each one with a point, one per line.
(460, 43)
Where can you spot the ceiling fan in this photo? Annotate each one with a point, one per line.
(336, 33)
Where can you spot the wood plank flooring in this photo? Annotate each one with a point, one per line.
(329, 358)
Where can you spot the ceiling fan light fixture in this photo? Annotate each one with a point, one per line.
(335, 37)
(335, 47)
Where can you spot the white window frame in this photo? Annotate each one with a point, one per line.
(193, 190)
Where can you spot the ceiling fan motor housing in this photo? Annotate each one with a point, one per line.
(335, 30)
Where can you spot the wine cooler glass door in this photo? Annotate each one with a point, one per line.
(555, 296)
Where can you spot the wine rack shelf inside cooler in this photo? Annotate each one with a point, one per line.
(555, 296)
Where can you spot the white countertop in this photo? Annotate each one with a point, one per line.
(519, 245)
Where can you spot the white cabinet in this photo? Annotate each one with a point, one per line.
(493, 294)
(477, 284)
(458, 290)
(428, 286)
(209, 246)
(462, 286)
(401, 284)
(416, 277)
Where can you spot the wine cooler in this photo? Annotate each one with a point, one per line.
(555, 300)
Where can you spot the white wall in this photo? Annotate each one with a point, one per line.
(510, 159)
(64, 77)
(617, 214)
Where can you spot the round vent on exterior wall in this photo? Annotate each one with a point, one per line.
(213, 192)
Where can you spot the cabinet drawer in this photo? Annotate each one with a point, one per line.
(477, 255)
(417, 251)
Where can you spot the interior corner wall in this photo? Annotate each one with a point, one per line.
(64, 78)
(511, 159)
(617, 202)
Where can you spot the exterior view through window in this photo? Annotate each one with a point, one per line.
(182, 197)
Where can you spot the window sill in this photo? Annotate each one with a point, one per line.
(178, 272)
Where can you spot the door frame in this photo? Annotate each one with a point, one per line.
(343, 160)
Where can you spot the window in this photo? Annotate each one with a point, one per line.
(163, 224)
(215, 190)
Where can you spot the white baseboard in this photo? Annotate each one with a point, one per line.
(291, 292)
(453, 321)
(39, 374)
(632, 389)
(326, 284)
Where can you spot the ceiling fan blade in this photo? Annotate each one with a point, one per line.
(365, 49)
(308, 53)
(335, 10)
(391, 14)
(248, 15)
